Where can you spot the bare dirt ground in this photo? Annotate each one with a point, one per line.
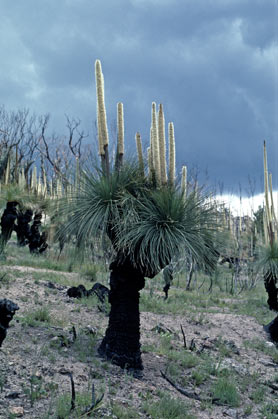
(38, 351)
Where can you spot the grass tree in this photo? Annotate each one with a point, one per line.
(268, 260)
(147, 218)
(15, 198)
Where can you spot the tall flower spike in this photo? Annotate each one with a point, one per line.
(267, 209)
(266, 235)
(150, 163)
(77, 175)
(184, 181)
(44, 179)
(21, 179)
(59, 188)
(140, 153)
(7, 172)
(172, 154)
(120, 126)
(100, 145)
(34, 179)
(155, 148)
(162, 146)
(51, 189)
(273, 215)
(39, 187)
(101, 111)
(120, 136)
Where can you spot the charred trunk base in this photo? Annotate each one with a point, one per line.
(121, 344)
(272, 329)
(7, 311)
(270, 282)
(272, 291)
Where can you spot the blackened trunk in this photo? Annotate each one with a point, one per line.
(7, 311)
(270, 285)
(270, 282)
(272, 329)
(121, 343)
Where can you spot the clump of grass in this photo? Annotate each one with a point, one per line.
(225, 392)
(124, 412)
(84, 347)
(35, 317)
(35, 389)
(253, 306)
(199, 376)
(258, 394)
(261, 345)
(167, 408)
(63, 405)
(89, 271)
(270, 411)
(3, 379)
(6, 279)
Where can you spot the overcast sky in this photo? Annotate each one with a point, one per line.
(212, 63)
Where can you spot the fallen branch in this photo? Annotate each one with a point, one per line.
(183, 335)
(272, 385)
(73, 330)
(69, 374)
(180, 389)
(192, 346)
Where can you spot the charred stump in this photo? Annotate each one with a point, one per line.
(168, 279)
(270, 282)
(8, 223)
(7, 311)
(37, 242)
(98, 289)
(101, 291)
(272, 329)
(77, 292)
(121, 344)
(22, 228)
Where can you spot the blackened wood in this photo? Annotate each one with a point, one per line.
(270, 282)
(23, 229)
(272, 329)
(7, 311)
(121, 343)
(7, 222)
(180, 389)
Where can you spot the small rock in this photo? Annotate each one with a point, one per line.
(232, 413)
(269, 344)
(162, 329)
(230, 363)
(50, 285)
(89, 330)
(17, 411)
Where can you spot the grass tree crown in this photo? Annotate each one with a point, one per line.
(145, 214)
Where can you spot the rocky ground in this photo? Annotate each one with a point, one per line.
(222, 348)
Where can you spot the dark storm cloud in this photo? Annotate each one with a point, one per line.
(211, 63)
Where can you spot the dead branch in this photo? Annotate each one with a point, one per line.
(69, 374)
(183, 335)
(75, 144)
(180, 389)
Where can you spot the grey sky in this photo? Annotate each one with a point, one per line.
(212, 63)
